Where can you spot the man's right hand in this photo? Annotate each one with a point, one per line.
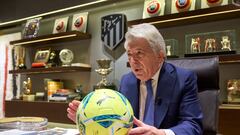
(72, 110)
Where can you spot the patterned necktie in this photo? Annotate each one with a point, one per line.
(149, 106)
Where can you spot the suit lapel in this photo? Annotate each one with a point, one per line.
(164, 90)
(133, 94)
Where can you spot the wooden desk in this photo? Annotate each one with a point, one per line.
(229, 119)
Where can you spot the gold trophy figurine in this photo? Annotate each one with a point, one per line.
(27, 90)
(27, 86)
(103, 70)
(20, 57)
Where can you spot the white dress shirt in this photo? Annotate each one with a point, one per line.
(143, 96)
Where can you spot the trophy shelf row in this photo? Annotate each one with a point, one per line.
(198, 16)
(49, 39)
(192, 17)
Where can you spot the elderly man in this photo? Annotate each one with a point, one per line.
(163, 96)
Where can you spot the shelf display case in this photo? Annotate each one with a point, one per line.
(233, 90)
(171, 47)
(210, 42)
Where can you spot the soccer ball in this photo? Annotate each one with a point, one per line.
(104, 112)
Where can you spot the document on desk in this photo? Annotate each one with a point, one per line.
(54, 131)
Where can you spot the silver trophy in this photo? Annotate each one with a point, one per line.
(168, 50)
(104, 69)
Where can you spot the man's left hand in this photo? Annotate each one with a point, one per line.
(144, 129)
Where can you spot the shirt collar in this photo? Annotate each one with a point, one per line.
(156, 75)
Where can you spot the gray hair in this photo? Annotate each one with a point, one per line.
(148, 32)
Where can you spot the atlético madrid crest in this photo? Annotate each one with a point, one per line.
(113, 29)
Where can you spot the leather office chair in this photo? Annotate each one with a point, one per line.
(207, 70)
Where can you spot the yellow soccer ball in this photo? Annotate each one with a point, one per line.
(104, 112)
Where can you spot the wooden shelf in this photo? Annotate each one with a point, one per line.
(50, 70)
(192, 17)
(53, 111)
(229, 106)
(231, 58)
(224, 57)
(53, 38)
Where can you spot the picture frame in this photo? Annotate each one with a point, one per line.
(42, 55)
(31, 28)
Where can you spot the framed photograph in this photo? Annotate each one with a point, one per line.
(60, 25)
(79, 22)
(42, 56)
(31, 28)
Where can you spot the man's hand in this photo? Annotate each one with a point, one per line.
(72, 110)
(144, 129)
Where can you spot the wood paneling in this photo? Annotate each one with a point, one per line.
(229, 120)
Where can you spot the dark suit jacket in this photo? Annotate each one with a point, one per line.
(176, 103)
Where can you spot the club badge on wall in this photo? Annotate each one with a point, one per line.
(60, 25)
(113, 29)
(79, 22)
(153, 8)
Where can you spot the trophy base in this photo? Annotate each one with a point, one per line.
(111, 86)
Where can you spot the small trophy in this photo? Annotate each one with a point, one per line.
(195, 45)
(225, 43)
(52, 59)
(210, 45)
(27, 86)
(233, 88)
(20, 57)
(168, 50)
(103, 70)
(27, 90)
(66, 56)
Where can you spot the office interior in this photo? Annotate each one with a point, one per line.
(177, 27)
